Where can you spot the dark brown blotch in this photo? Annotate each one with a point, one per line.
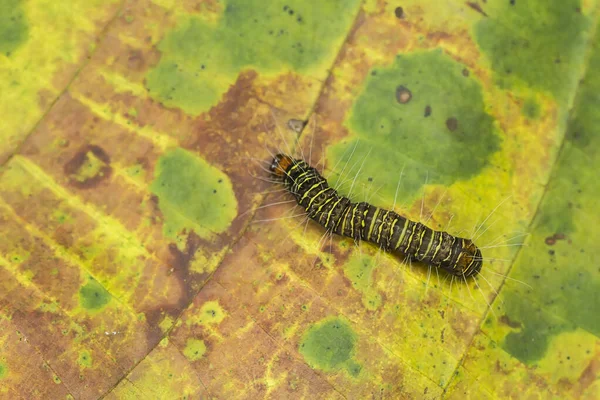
(507, 321)
(403, 95)
(476, 7)
(551, 240)
(399, 12)
(180, 262)
(427, 111)
(452, 124)
(74, 166)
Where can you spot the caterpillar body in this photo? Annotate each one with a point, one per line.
(363, 221)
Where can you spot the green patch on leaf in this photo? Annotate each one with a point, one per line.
(194, 349)
(193, 195)
(166, 323)
(91, 168)
(359, 270)
(533, 328)
(85, 359)
(202, 58)
(560, 261)
(211, 313)
(61, 216)
(531, 109)
(354, 368)
(51, 307)
(536, 44)
(13, 26)
(421, 115)
(90, 252)
(19, 256)
(3, 371)
(569, 356)
(136, 170)
(329, 345)
(93, 296)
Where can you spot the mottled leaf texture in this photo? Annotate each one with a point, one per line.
(145, 254)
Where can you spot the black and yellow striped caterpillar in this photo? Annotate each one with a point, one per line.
(363, 221)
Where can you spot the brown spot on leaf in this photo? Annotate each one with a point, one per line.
(236, 99)
(476, 7)
(589, 374)
(63, 236)
(427, 111)
(465, 72)
(154, 208)
(438, 36)
(551, 240)
(462, 325)
(235, 114)
(452, 124)
(507, 321)
(45, 98)
(281, 279)
(403, 95)
(565, 385)
(88, 167)
(498, 368)
(180, 263)
(296, 125)
(135, 60)
(399, 12)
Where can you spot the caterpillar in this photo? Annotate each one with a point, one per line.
(363, 221)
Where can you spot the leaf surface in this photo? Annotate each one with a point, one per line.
(147, 255)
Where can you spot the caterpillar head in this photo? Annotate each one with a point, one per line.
(280, 165)
(469, 259)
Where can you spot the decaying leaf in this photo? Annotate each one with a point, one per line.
(147, 254)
